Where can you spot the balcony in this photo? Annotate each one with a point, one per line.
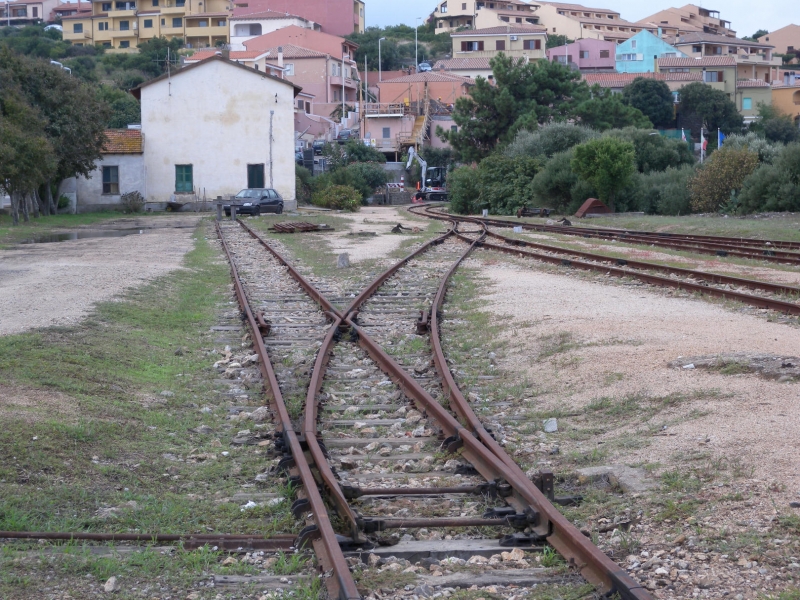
(128, 13)
(76, 37)
(165, 30)
(348, 82)
(122, 33)
(194, 31)
(171, 9)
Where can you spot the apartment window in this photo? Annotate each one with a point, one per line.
(162, 22)
(604, 54)
(500, 45)
(299, 102)
(255, 176)
(734, 49)
(77, 28)
(106, 44)
(180, 3)
(697, 48)
(471, 46)
(221, 23)
(387, 133)
(308, 107)
(19, 12)
(518, 19)
(203, 23)
(633, 43)
(712, 76)
(125, 44)
(669, 55)
(106, 6)
(184, 181)
(177, 21)
(126, 6)
(504, 19)
(147, 23)
(155, 2)
(531, 44)
(626, 57)
(454, 128)
(463, 6)
(584, 54)
(443, 7)
(747, 103)
(289, 69)
(35, 11)
(102, 26)
(337, 95)
(124, 25)
(111, 180)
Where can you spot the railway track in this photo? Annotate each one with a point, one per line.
(762, 294)
(372, 427)
(776, 251)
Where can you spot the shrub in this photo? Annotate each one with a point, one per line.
(654, 152)
(766, 150)
(606, 163)
(506, 183)
(666, 192)
(303, 183)
(554, 185)
(364, 177)
(132, 202)
(338, 197)
(549, 140)
(723, 174)
(463, 190)
(774, 187)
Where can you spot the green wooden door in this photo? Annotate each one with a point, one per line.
(255, 176)
(183, 178)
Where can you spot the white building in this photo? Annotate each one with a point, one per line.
(121, 170)
(248, 26)
(208, 128)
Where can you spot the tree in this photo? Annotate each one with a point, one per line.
(666, 192)
(124, 108)
(704, 106)
(653, 98)
(654, 152)
(756, 35)
(463, 190)
(767, 151)
(555, 184)
(606, 163)
(522, 96)
(605, 110)
(506, 183)
(555, 40)
(549, 140)
(723, 174)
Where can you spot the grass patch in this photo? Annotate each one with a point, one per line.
(556, 343)
(10, 234)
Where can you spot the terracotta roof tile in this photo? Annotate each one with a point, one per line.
(576, 7)
(431, 77)
(457, 64)
(615, 80)
(752, 83)
(265, 15)
(691, 38)
(234, 55)
(123, 141)
(514, 29)
(706, 61)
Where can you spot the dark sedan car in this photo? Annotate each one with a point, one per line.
(254, 201)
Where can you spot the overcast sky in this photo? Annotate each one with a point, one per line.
(746, 17)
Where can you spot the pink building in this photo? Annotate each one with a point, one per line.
(587, 55)
(337, 17)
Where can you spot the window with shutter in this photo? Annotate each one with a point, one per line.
(500, 45)
(184, 181)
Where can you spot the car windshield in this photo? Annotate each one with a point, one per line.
(249, 194)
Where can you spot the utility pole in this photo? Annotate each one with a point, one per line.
(344, 56)
(271, 115)
(380, 65)
(416, 47)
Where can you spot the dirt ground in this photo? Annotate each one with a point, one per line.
(59, 283)
(624, 338)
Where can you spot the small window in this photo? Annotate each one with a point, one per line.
(35, 13)
(180, 3)
(633, 43)
(162, 22)
(289, 69)
(453, 128)
(106, 44)
(308, 107)
(124, 25)
(77, 28)
(177, 21)
(106, 6)
(387, 133)
(125, 44)
(463, 6)
(148, 24)
(221, 23)
(155, 2)
(500, 45)
(532, 44)
(604, 54)
(255, 176)
(111, 180)
(183, 178)
(697, 48)
(584, 54)
(747, 103)
(102, 26)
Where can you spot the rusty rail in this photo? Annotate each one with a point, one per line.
(478, 447)
(326, 546)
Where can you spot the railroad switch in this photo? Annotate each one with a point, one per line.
(521, 540)
(300, 507)
(529, 518)
(545, 482)
(424, 322)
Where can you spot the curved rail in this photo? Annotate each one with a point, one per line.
(513, 247)
(478, 446)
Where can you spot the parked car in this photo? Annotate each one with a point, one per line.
(318, 146)
(298, 157)
(423, 66)
(346, 135)
(254, 201)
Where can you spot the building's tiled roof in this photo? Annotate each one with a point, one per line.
(202, 15)
(705, 61)
(782, 86)
(83, 16)
(724, 40)
(512, 29)
(234, 54)
(292, 51)
(123, 141)
(609, 22)
(618, 80)
(567, 6)
(462, 64)
(265, 15)
(752, 83)
(431, 77)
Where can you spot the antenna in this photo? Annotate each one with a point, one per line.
(169, 74)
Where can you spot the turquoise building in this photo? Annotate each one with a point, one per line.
(639, 53)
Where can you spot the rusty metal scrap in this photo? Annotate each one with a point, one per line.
(299, 227)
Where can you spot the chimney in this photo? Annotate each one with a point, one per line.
(655, 63)
(280, 56)
(791, 78)
(226, 53)
(786, 78)
(659, 33)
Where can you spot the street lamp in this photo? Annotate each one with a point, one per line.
(380, 76)
(416, 47)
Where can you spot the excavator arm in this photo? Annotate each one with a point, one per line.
(412, 154)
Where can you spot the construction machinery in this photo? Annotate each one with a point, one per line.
(432, 186)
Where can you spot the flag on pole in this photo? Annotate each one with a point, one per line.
(703, 145)
(683, 135)
(720, 138)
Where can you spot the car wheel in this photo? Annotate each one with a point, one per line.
(257, 212)
(279, 209)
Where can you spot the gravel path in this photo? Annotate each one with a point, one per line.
(59, 283)
(378, 219)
